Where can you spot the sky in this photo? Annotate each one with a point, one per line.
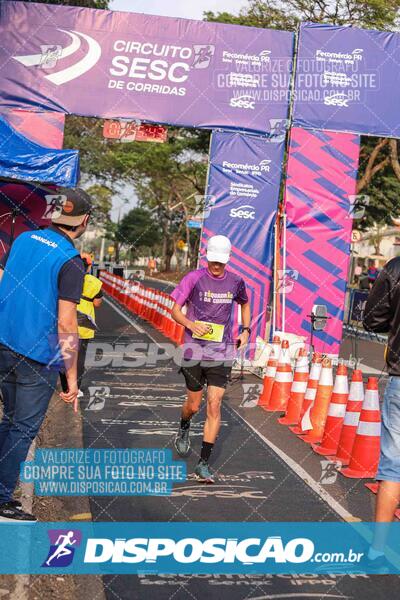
(189, 9)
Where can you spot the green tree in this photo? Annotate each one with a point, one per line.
(139, 231)
(378, 14)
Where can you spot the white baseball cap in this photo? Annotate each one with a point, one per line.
(219, 249)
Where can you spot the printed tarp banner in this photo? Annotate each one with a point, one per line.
(22, 159)
(113, 64)
(322, 174)
(45, 128)
(348, 79)
(243, 194)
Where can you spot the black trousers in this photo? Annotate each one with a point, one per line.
(83, 346)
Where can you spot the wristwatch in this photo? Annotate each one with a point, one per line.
(246, 329)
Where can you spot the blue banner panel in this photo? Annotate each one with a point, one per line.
(23, 159)
(160, 69)
(243, 194)
(151, 548)
(348, 79)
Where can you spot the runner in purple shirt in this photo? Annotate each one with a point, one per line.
(208, 295)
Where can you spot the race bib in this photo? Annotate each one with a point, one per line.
(215, 332)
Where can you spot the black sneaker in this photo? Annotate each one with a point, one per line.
(15, 504)
(9, 513)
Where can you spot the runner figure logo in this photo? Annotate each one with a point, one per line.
(62, 547)
(97, 397)
(202, 56)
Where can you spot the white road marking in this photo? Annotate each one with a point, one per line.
(302, 473)
(122, 314)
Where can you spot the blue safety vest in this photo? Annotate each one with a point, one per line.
(29, 293)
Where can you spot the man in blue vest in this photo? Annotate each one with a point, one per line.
(41, 286)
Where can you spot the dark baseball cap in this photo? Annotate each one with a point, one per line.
(76, 204)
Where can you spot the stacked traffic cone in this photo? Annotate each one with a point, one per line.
(351, 419)
(309, 397)
(336, 414)
(365, 454)
(283, 381)
(270, 373)
(319, 410)
(298, 390)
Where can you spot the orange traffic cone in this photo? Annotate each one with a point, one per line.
(298, 390)
(315, 420)
(270, 372)
(365, 455)
(351, 419)
(336, 413)
(312, 385)
(283, 381)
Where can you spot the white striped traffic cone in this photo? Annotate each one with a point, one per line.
(283, 381)
(270, 373)
(298, 390)
(312, 385)
(336, 414)
(351, 419)
(365, 454)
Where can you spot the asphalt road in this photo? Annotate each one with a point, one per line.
(264, 473)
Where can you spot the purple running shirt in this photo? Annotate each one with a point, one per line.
(210, 299)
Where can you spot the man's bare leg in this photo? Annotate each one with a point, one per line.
(387, 502)
(213, 420)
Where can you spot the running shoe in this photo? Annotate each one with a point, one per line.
(182, 442)
(11, 514)
(203, 473)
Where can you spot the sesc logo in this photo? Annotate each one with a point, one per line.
(338, 99)
(51, 54)
(245, 101)
(243, 212)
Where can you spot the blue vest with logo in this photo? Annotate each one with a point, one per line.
(29, 293)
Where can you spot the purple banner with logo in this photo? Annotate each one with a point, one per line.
(320, 197)
(243, 194)
(348, 79)
(160, 69)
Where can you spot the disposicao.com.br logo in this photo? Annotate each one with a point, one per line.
(62, 547)
(186, 551)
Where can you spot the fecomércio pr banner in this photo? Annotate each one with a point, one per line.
(320, 206)
(348, 79)
(112, 64)
(242, 199)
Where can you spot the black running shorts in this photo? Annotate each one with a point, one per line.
(198, 375)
